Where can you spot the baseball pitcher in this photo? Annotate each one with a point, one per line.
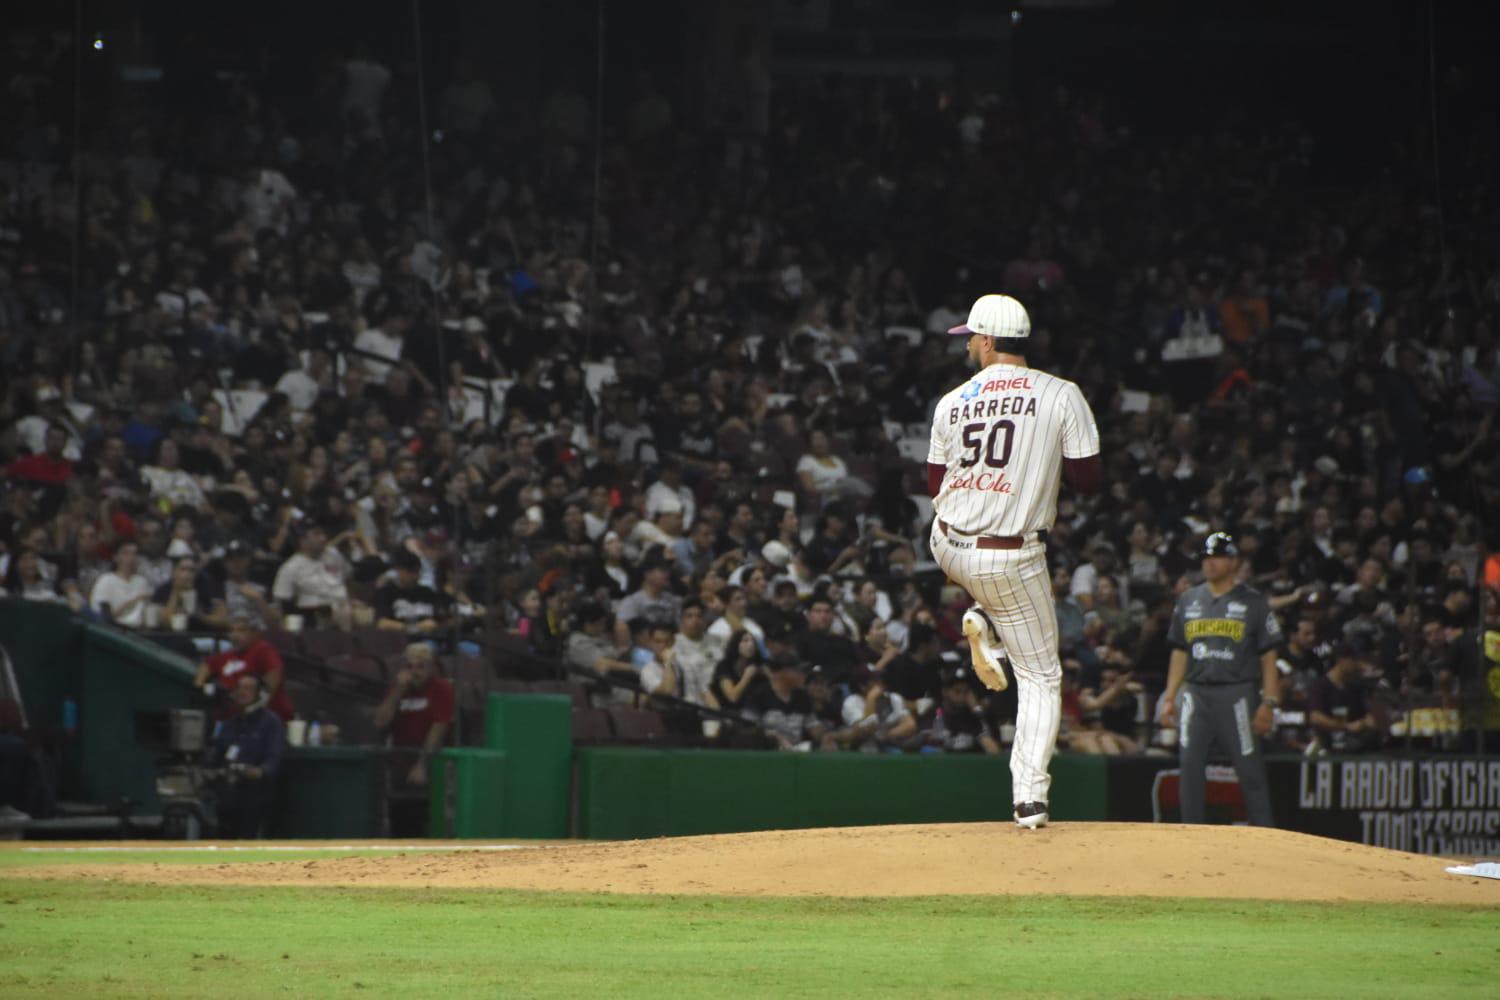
(1001, 444)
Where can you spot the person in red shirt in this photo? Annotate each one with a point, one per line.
(417, 713)
(47, 467)
(418, 709)
(249, 652)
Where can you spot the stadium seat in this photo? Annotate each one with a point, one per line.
(572, 689)
(284, 642)
(380, 642)
(637, 725)
(456, 665)
(347, 668)
(325, 644)
(591, 726)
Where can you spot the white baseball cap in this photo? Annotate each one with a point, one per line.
(776, 553)
(996, 316)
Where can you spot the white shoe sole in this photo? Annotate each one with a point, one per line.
(975, 629)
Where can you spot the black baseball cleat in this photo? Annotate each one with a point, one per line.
(1030, 815)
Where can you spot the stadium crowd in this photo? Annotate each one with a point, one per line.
(679, 444)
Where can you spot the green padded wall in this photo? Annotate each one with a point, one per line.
(731, 790)
(623, 794)
(652, 793)
(120, 675)
(468, 793)
(536, 733)
(329, 792)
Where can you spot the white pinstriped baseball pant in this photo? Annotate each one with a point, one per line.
(1014, 587)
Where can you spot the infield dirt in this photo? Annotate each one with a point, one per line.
(1082, 859)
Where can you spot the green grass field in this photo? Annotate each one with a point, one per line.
(82, 939)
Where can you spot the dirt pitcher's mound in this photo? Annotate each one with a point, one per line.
(1116, 859)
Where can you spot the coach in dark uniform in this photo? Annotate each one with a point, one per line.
(1224, 640)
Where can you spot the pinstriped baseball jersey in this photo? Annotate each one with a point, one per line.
(1003, 435)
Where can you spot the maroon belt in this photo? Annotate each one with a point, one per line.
(988, 541)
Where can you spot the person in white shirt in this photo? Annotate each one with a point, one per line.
(736, 617)
(665, 530)
(692, 656)
(267, 200)
(170, 482)
(361, 270)
(302, 386)
(824, 473)
(1001, 443)
(51, 412)
(314, 578)
(385, 341)
(661, 494)
(123, 594)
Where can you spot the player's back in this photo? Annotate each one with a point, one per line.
(1002, 435)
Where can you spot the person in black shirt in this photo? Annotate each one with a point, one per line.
(820, 646)
(1301, 650)
(783, 706)
(781, 617)
(1337, 708)
(404, 604)
(915, 674)
(247, 747)
(957, 723)
(740, 673)
(833, 545)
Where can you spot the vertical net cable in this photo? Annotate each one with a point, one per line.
(592, 318)
(75, 332)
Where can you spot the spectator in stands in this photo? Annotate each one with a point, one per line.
(734, 617)
(153, 563)
(692, 656)
(402, 604)
(179, 605)
(653, 601)
(48, 467)
(123, 594)
(1086, 577)
(172, 486)
(660, 495)
(312, 581)
(740, 669)
(24, 579)
(695, 552)
(916, 674)
(869, 603)
(823, 474)
(235, 595)
(1107, 695)
(783, 707)
(249, 653)
(416, 715)
(1337, 707)
(819, 645)
(248, 746)
(782, 617)
(1300, 652)
(651, 657)
(591, 646)
(957, 724)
